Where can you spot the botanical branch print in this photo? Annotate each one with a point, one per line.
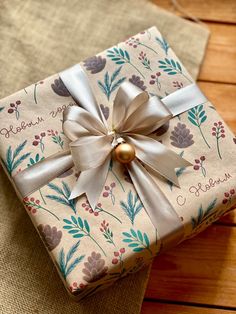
(154, 79)
(163, 44)
(115, 175)
(1, 109)
(197, 116)
(33, 161)
(228, 197)
(35, 91)
(50, 236)
(65, 263)
(110, 84)
(56, 138)
(135, 42)
(33, 205)
(144, 60)
(94, 268)
(14, 109)
(203, 214)
(172, 67)
(14, 157)
(178, 173)
(98, 209)
(218, 132)
(199, 165)
(59, 88)
(62, 196)
(132, 207)
(107, 233)
(118, 258)
(178, 84)
(137, 240)
(121, 56)
(181, 136)
(80, 228)
(38, 141)
(109, 192)
(136, 80)
(95, 64)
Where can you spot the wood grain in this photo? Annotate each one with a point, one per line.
(220, 59)
(213, 10)
(223, 98)
(201, 270)
(163, 308)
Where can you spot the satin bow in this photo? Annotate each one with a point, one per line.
(134, 117)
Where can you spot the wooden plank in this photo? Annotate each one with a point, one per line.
(163, 308)
(210, 10)
(220, 60)
(223, 98)
(201, 270)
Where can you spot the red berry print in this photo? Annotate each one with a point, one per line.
(107, 233)
(13, 107)
(109, 191)
(218, 132)
(38, 141)
(199, 165)
(56, 138)
(154, 79)
(228, 196)
(33, 205)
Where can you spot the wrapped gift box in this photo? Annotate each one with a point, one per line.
(92, 248)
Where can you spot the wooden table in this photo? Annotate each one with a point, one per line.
(199, 276)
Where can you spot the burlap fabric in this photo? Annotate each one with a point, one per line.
(38, 39)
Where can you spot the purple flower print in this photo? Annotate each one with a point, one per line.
(218, 132)
(50, 235)
(95, 64)
(59, 88)
(109, 191)
(14, 108)
(94, 268)
(199, 165)
(136, 80)
(155, 79)
(39, 141)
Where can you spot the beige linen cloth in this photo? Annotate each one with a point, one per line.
(37, 39)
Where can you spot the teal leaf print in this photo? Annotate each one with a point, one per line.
(56, 138)
(111, 83)
(80, 228)
(178, 173)
(14, 159)
(163, 44)
(132, 207)
(171, 67)
(66, 266)
(203, 215)
(137, 240)
(33, 161)
(197, 116)
(1, 109)
(63, 195)
(121, 56)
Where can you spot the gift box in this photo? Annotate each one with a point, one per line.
(92, 246)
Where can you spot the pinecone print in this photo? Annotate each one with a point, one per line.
(59, 88)
(50, 236)
(95, 268)
(181, 136)
(95, 64)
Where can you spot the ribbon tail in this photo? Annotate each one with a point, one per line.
(91, 182)
(157, 206)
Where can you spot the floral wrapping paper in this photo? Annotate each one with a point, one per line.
(93, 248)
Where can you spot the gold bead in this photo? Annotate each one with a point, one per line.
(124, 153)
